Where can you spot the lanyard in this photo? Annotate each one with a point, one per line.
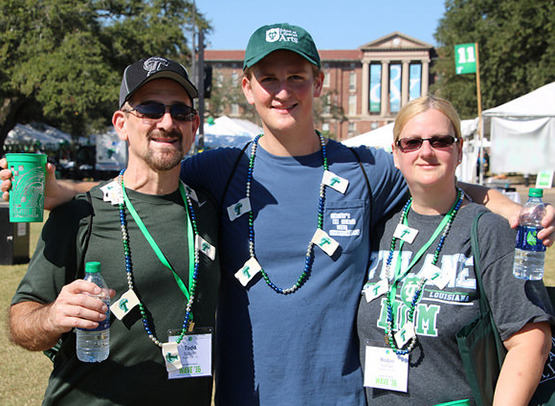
(398, 274)
(157, 249)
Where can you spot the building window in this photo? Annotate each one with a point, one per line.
(327, 79)
(415, 81)
(234, 109)
(219, 79)
(234, 77)
(375, 88)
(352, 104)
(395, 70)
(326, 127)
(351, 129)
(352, 81)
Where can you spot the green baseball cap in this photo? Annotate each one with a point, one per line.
(270, 38)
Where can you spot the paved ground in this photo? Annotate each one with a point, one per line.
(518, 183)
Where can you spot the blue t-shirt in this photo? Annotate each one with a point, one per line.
(300, 348)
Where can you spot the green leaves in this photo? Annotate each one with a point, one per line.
(516, 50)
(66, 57)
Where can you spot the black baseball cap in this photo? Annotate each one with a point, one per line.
(155, 67)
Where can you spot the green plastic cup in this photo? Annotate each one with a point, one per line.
(464, 402)
(27, 193)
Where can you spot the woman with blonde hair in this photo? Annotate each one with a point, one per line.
(421, 286)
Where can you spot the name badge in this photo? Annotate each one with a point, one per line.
(248, 271)
(125, 304)
(384, 369)
(195, 354)
(335, 182)
(236, 210)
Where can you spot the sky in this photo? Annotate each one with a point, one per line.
(336, 24)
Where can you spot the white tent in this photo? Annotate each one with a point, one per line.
(381, 137)
(522, 133)
(37, 133)
(229, 132)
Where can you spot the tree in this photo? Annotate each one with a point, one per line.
(227, 91)
(326, 109)
(61, 61)
(516, 50)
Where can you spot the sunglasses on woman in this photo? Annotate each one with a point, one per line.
(155, 111)
(414, 144)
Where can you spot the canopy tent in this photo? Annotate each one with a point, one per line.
(228, 132)
(381, 137)
(522, 133)
(39, 134)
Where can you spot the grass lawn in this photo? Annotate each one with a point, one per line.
(24, 374)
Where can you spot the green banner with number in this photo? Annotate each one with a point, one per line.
(465, 58)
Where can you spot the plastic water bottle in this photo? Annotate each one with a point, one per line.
(530, 251)
(94, 345)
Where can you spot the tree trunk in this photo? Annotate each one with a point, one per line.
(8, 117)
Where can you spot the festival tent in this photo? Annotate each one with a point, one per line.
(381, 137)
(228, 132)
(39, 134)
(522, 133)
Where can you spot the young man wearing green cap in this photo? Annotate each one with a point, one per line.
(296, 216)
(295, 226)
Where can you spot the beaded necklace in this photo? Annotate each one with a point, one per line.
(309, 257)
(129, 263)
(450, 216)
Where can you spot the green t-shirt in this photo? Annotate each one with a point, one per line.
(134, 373)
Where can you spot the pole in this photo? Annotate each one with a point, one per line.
(480, 124)
(201, 89)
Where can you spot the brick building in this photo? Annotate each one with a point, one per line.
(369, 84)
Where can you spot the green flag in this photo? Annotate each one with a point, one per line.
(465, 58)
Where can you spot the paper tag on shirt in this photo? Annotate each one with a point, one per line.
(376, 290)
(325, 242)
(171, 357)
(125, 304)
(405, 233)
(191, 192)
(436, 275)
(335, 182)
(404, 335)
(195, 353)
(386, 370)
(205, 247)
(112, 193)
(248, 271)
(236, 210)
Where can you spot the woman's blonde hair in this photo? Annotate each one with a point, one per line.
(421, 105)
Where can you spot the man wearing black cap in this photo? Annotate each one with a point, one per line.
(155, 239)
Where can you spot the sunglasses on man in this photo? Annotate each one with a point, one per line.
(155, 111)
(414, 143)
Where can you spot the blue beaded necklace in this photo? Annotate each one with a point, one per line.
(389, 339)
(129, 263)
(309, 257)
